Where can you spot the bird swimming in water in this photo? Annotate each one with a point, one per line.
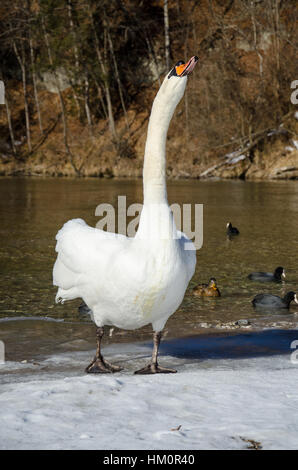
(277, 276)
(232, 231)
(274, 301)
(207, 290)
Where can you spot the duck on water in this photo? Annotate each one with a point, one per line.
(207, 290)
(231, 231)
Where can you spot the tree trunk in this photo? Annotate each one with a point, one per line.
(167, 35)
(118, 79)
(253, 21)
(22, 62)
(35, 86)
(33, 69)
(8, 113)
(63, 110)
(76, 55)
(87, 108)
(99, 93)
(277, 46)
(112, 126)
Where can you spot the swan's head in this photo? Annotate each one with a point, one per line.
(174, 84)
(181, 69)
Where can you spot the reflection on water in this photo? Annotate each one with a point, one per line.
(32, 211)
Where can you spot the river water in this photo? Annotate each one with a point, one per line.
(33, 209)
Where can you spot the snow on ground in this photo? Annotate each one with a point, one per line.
(218, 400)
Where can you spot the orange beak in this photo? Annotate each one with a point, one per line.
(186, 69)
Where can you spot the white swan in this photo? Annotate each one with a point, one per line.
(131, 282)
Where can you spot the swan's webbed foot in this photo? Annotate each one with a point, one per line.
(101, 366)
(155, 369)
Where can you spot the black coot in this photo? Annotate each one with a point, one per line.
(274, 301)
(277, 276)
(232, 231)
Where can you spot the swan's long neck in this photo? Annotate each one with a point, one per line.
(154, 173)
(156, 222)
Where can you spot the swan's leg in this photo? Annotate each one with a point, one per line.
(99, 365)
(153, 367)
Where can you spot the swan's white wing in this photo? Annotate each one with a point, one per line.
(81, 246)
(83, 253)
(189, 253)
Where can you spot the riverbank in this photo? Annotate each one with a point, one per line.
(270, 155)
(278, 161)
(87, 114)
(230, 392)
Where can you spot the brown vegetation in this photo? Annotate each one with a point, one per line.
(80, 77)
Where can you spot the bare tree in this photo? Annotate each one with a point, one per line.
(22, 61)
(62, 104)
(255, 41)
(167, 33)
(117, 73)
(10, 128)
(33, 68)
(105, 77)
(76, 54)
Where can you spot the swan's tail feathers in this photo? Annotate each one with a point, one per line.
(80, 247)
(84, 255)
(63, 277)
(73, 260)
(70, 227)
